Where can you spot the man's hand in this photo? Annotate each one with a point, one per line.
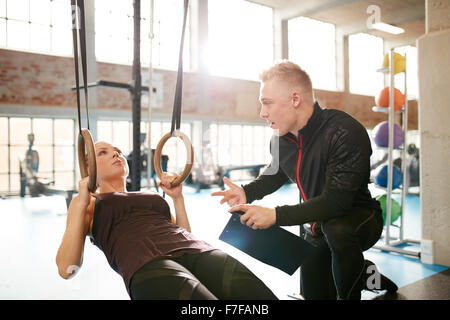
(256, 217)
(233, 196)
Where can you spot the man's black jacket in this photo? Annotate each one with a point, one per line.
(329, 160)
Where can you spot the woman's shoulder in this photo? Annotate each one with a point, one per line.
(76, 200)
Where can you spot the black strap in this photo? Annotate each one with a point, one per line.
(79, 24)
(176, 115)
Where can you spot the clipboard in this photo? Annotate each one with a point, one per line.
(274, 246)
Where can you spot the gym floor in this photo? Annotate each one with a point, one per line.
(31, 230)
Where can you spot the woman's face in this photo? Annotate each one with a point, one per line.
(111, 164)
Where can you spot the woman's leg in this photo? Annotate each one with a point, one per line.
(226, 277)
(166, 279)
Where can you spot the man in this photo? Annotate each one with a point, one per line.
(327, 154)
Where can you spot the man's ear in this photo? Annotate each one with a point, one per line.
(297, 99)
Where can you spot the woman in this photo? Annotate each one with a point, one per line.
(156, 255)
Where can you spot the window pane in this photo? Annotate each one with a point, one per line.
(15, 182)
(40, 38)
(236, 144)
(61, 14)
(167, 32)
(186, 129)
(248, 145)
(312, 47)
(62, 41)
(18, 9)
(411, 70)
(19, 130)
(156, 133)
(42, 129)
(40, 12)
(224, 145)
(17, 153)
(365, 57)
(3, 159)
(64, 158)
(2, 33)
(104, 131)
(64, 179)
(4, 182)
(18, 36)
(114, 32)
(259, 144)
(166, 126)
(241, 48)
(268, 134)
(45, 158)
(64, 134)
(121, 138)
(3, 131)
(3, 8)
(104, 48)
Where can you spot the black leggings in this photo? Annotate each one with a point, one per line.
(209, 275)
(336, 268)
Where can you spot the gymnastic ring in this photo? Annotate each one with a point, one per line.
(190, 156)
(86, 158)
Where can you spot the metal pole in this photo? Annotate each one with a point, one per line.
(136, 89)
(150, 92)
(404, 167)
(391, 147)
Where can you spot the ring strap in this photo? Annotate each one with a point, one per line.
(176, 114)
(79, 28)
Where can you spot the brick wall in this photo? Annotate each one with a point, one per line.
(28, 79)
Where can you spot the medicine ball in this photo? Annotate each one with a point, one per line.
(383, 99)
(381, 178)
(381, 135)
(396, 209)
(399, 62)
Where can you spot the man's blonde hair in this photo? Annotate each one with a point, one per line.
(289, 72)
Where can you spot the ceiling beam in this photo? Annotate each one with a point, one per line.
(397, 18)
(308, 8)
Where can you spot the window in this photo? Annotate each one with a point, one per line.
(120, 134)
(365, 57)
(54, 142)
(235, 144)
(312, 45)
(411, 70)
(42, 26)
(114, 21)
(240, 40)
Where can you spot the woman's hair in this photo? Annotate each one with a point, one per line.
(289, 72)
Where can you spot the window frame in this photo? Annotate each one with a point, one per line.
(53, 172)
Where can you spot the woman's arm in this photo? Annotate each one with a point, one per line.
(176, 194)
(181, 218)
(70, 253)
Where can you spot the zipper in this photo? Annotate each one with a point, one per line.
(299, 160)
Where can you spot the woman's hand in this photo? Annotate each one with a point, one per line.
(165, 184)
(84, 196)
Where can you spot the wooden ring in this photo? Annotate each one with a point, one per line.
(88, 167)
(189, 162)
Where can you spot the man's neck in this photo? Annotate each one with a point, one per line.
(305, 115)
